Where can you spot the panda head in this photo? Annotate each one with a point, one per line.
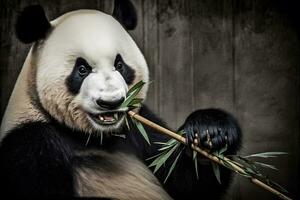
(84, 63)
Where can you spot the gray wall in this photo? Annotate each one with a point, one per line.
(242, 56)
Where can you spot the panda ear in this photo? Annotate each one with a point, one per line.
(32, 24)
(125, 13)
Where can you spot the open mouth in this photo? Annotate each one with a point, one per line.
(108, 118)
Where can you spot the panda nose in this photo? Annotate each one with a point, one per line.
(110, 104)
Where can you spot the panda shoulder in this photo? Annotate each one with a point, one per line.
(32, 137)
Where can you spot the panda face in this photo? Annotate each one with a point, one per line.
(85, 66)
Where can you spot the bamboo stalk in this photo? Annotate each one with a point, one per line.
(205, 153)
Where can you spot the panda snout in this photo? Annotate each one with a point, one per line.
(109, 105)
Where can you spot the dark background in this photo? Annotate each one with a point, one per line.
(240, 55)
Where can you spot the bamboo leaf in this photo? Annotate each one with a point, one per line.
(158, 159)
(142, 130)
(164, 158)
(279, 187)
(228, 164)
(127, 123)
(150, 158)
(180, 132)
(172, 142)
(250, 170)
(135, 101)
(221, 151)
(138, 85)
(266, 154)
(130, 98)
(245, 174)
(196, 164)
(165, 148)
(173, 166)
(216, 171)
(265, 165)
(131, 94)
(194, 155)
(160, 143)
(236, 163)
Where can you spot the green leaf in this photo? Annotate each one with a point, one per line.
(173, 166)
(221, 151)
(172, 142)
(180, 132)
(158, 157)
(245, 174)
(160, 143)
(279, 187)
(194, 155)
(138, 85)
(159, 154)
(142, 130)
(236, 163)
(216, 171)
(165, 147)
(266, 154)
(127, 123)
(129, 98)
(131, 94)
(228, 164)
(135, 101)
(162, 159)
(252, 171)
(265, 165)
(196, 164)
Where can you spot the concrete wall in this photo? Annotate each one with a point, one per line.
(240, 55)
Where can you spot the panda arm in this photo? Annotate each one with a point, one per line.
(183, 180)
(35, 161)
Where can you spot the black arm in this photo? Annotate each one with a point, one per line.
(222, 129)
(35, 162)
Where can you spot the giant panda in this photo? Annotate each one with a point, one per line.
(62, 133)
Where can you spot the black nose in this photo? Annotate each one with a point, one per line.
(110, 104)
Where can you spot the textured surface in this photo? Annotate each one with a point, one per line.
(242, 56)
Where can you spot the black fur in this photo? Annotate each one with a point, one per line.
(37, 158)
(221, 126)
(125, 13)
(76, 78)
(32, 24)
(35, 161)
(126, 71)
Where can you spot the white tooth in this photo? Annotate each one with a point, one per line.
(116, 115)
(101, 118)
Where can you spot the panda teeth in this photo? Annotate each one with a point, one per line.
(101, 118)
(108, 117)
(116, 116)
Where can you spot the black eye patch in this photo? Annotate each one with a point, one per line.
(80, 71)
(126, 71)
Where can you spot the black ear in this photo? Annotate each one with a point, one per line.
(125, 13)
(32, 24)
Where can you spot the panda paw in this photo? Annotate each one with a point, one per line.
(212, 129)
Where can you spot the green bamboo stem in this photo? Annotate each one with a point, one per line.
(205, 153)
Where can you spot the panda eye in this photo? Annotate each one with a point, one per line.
(119, 66)
(82, 70)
